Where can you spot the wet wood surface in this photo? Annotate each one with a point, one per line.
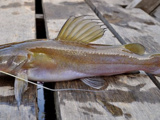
(128, 96)
(17, 23)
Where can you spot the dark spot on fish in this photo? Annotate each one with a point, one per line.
(30, 4)
(11, 5)
(91, 110)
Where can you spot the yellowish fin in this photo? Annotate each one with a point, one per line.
(135, 48)
(20, 86)
(80, 29)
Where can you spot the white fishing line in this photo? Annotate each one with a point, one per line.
(53, 90)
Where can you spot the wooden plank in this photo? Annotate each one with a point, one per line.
(134, 25)
(156, 13)
(17, 23)
(119, 2)
(57, 12)
(148, 5)
(124, 97)
(133, 4)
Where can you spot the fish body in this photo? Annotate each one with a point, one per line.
(71, 56)
(51, 60)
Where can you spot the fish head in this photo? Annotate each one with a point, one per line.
(11, 63)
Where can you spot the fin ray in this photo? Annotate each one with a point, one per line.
(63, 29)
(77, 28)
(80, 29)
(83, 30)
(89, 32)
(71, 26)
(94, 82)
(90, 38)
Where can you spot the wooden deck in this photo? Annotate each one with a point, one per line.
(125, 97)
(17, 23)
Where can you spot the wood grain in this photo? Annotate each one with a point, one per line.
(156, 13)
(148, 5)
(57, 12)
(133, 25)
(118, 2)
(17, 23)
(132, 96)
(133, 4)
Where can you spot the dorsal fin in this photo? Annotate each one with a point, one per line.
(80, 29)
(135, 48)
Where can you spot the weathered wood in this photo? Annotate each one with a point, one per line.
(133, 3)
(17, 23)
(125, 96)
(119, 2)
(133, 25)
(148, 5)
(57, 12)
(156, 13)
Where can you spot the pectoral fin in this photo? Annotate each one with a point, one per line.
(94, 82)
(20, 86)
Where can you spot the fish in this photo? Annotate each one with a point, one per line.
(73, 55)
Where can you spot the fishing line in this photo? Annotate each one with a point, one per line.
(53, 90)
